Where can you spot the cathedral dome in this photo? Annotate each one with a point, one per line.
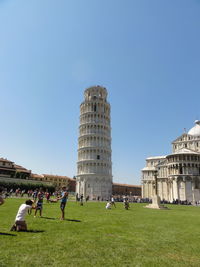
(195, 131)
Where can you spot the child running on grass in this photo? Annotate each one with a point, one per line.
(20, 223)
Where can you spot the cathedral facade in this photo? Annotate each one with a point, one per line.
(94, 166)
(177, 175)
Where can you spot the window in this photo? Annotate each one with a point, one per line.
(98, 156)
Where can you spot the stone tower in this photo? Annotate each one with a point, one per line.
(94, 166)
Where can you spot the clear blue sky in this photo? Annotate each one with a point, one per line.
(146, 53)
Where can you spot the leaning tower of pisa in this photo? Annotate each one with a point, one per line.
(94, 166)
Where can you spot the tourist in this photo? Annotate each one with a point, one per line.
(81, 200)
(39, 204)
(108, 205)
(77, 198)
(47, 194)
(113, 201)
(11, 191)
(63, 201)
(20, 223)
(1, 197)
(23, 192)
(35, 193)
(126, 203)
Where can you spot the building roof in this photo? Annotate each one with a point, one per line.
(57, 176)
(185, 151)
(21, 169)
(157, 157)
(149, 169)
(5, 160)
(127, 185)
(195, 131)
(34, 175)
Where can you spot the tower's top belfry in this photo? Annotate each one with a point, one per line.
(95, 93)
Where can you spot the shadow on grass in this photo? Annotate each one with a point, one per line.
(7, 234)
(48, 218)
(33, 231)
(71, 220)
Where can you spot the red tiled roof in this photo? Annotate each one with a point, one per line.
(34, 175)
(20, 168)
(127, 185)
(57, 176)
(6, 160)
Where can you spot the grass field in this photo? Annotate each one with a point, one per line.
(93, 236)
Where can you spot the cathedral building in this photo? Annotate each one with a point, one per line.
(177, 174)
(94, 166)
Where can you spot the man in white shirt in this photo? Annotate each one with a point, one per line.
(108, 205)
(20, 223)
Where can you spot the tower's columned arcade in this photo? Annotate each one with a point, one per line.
(94, 166)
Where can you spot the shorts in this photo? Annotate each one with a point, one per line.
(19, 226)
(39, 207)
(62, 205)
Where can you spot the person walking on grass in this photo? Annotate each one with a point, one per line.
(20, 223)
(81, 200)
(126, 202)
(63, 200)
(113, 201)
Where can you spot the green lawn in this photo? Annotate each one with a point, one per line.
(94, 236)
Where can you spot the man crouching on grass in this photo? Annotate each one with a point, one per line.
(20, 223)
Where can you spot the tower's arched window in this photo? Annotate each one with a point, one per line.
(95, 107)
(180, 170)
